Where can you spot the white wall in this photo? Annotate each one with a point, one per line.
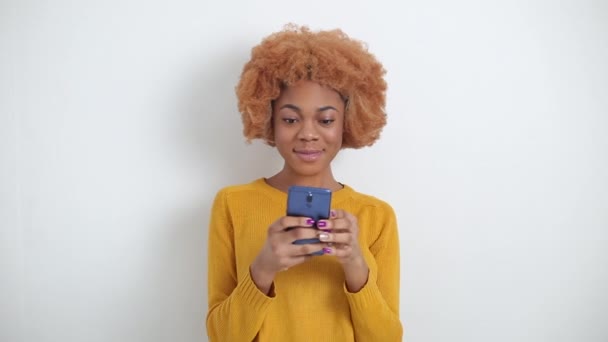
(118, 123)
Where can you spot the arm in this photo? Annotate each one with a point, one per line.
(236, 308)
(375, 307)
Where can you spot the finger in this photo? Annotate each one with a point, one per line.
(306, 250)
(337, 213)
(343, 214)
(296, 260)
(300, 233)
(290, 221)
(340, 223)
(336, 237)
(282, 243)
(339, 251)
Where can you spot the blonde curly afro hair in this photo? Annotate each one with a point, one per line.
(330, 58)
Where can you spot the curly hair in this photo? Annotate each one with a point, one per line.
(330, 58)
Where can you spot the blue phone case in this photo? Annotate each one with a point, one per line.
(309, 202)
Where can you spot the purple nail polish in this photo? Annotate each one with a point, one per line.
(321, 224)
(310, 222)
(332, 213)
(326, 250)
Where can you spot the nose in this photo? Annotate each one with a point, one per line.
(308, 131)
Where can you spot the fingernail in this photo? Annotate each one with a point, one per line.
(332, 213)
(326, 250)
(321, 224)
(310, 222)
(323, 236)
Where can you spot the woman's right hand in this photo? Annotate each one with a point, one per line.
(279, 253)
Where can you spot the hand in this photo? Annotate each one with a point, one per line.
(279, 253)
(340, 233)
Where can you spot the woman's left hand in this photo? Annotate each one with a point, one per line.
(340, 233)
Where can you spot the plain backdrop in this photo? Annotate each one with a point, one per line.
(118, 123)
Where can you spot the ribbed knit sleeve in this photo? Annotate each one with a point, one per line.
(375, 308)
(236, 308)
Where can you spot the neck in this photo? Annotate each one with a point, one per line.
(286, 178)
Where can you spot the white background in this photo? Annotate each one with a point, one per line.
(118, 123)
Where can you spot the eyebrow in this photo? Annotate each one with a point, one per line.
(297, 109)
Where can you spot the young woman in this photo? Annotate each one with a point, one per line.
(309, 94)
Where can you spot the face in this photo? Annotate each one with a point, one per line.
(308, 122)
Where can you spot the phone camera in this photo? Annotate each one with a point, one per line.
(309, 197)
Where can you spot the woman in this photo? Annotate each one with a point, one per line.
(309, 94)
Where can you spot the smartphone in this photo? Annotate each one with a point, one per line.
(309, 202)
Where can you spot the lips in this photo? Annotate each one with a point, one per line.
(308, 155)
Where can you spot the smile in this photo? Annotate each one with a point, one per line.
(308, 155)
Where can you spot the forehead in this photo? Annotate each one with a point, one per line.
(309, 91)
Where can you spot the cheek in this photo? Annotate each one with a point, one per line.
(282, 139)
(335, 136)
(279, 135)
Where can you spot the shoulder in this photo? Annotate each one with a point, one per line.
(256, 190)
(375, 216)
(239, 189)
(368, 202)
(256, 185)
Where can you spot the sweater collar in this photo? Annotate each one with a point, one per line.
(337, 196)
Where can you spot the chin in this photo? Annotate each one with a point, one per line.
(308, 170)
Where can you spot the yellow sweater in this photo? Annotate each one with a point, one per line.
(311, 302)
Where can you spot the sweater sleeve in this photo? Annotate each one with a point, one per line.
(375, 308)
(236, 307)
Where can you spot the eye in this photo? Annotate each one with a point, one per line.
(326, 122)
(290, 120)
